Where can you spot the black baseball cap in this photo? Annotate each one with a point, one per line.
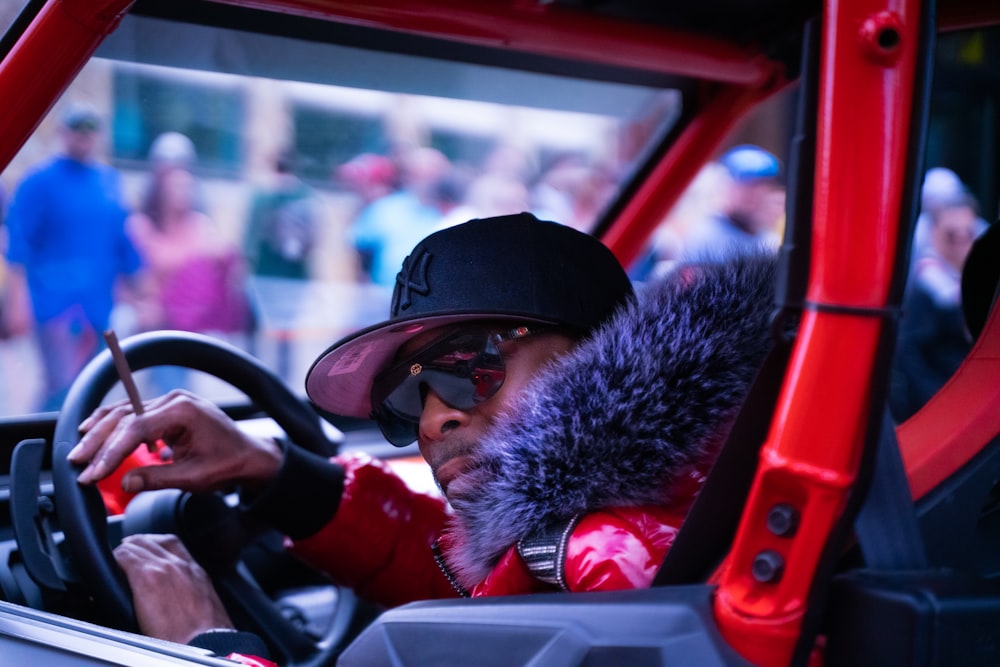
(513, 267)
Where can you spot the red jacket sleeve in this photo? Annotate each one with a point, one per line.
(379, 541)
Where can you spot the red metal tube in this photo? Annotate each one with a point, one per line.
(543, 29)
(816, 440)
(933, 443)
(44, 61)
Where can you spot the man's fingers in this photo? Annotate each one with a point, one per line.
(126, 554)
(103, 422)
(159, 545)
(114, 438)
(106, 421)
(137, 550)
(94, 417)
(170, 397)
(203, 444)
(153, 555)
(107, 445)
(101, 412)
(183, 475)
(172, 544)
(173, 595)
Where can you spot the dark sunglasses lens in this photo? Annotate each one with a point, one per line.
(459, 390)
(462, 370)
(397, 429)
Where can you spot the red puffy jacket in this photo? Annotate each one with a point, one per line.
(380, 543)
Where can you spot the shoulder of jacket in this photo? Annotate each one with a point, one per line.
(544, 552)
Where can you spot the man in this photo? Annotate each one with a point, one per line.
(67, 252)
(387, 227)
(282, 226)
(281, 236)
(751, 210)
(933, 339)
(559, 413)
(941, 188)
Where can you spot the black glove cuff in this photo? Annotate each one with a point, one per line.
(224, 642)
(304, 495)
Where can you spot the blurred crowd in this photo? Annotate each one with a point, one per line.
(80, 259)
(739, 202)
(407, 196)
(80, 256)
(735, 203)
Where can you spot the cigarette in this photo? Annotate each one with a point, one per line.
(125, 375)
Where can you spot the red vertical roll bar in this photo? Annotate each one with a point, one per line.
(811, 457)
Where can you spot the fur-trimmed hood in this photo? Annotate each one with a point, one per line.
(613, 422)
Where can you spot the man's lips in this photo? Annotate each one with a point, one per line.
(450, 470)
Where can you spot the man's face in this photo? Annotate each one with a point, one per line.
(448, 435)
(80, 142)
(757, 206)
(953, 231)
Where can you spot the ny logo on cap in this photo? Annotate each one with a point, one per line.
(411, 278)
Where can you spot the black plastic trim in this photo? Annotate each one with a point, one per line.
(659, 626)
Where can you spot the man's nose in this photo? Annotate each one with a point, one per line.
(438, 418)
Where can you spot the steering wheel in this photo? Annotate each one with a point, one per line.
(81, 511)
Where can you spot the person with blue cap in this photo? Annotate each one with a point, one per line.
(751, 209)
(568, 420)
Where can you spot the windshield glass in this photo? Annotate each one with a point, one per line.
(270, 186)
(9, 10)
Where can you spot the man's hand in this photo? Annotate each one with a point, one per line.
(209, 452)
(173, 597)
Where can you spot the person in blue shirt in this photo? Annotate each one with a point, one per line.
(386, 229)
(67, 251)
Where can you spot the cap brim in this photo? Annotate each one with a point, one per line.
(340, 380)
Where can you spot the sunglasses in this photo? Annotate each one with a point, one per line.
(463, 369)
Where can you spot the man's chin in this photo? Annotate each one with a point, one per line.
(464, 486)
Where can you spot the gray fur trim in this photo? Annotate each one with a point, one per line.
(612, 423)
